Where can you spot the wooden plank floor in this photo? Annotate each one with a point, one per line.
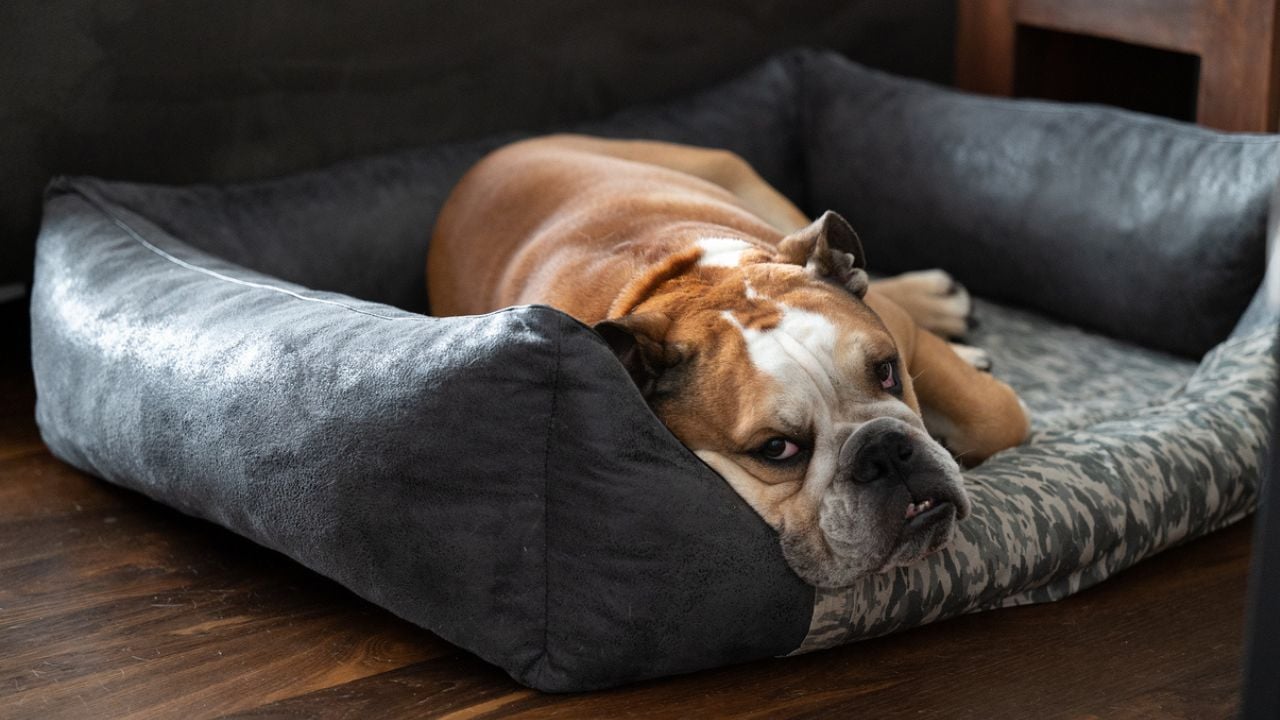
(114, 606)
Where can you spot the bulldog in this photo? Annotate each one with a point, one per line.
(830, 403)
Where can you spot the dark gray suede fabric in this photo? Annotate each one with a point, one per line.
(498, 479)
(1145, 229)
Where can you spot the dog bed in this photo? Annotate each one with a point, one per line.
(258, 355)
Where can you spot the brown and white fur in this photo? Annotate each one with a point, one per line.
(751, 332)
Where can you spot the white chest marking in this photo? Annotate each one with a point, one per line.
(722, 252)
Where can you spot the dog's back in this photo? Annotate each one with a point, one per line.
(541, 216)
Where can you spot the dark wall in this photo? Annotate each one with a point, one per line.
(179, 91)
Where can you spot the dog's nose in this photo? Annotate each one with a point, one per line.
(883, 457)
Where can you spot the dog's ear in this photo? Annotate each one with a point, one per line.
(830, 249)
(639, 341)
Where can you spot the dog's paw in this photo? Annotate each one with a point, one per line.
(975, 356)
(933, 299)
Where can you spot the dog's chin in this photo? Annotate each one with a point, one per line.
(847, 550)
(924, 535)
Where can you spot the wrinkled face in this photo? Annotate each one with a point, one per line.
(793, 390)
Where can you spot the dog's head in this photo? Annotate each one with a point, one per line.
(772, 369)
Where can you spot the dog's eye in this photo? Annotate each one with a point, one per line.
(887, 374)
(778, 448)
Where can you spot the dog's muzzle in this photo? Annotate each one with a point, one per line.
(891, 458)
(895, 498)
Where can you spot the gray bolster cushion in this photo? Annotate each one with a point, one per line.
(1138, 227)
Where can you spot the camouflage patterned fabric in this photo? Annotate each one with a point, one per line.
(1132, 452)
